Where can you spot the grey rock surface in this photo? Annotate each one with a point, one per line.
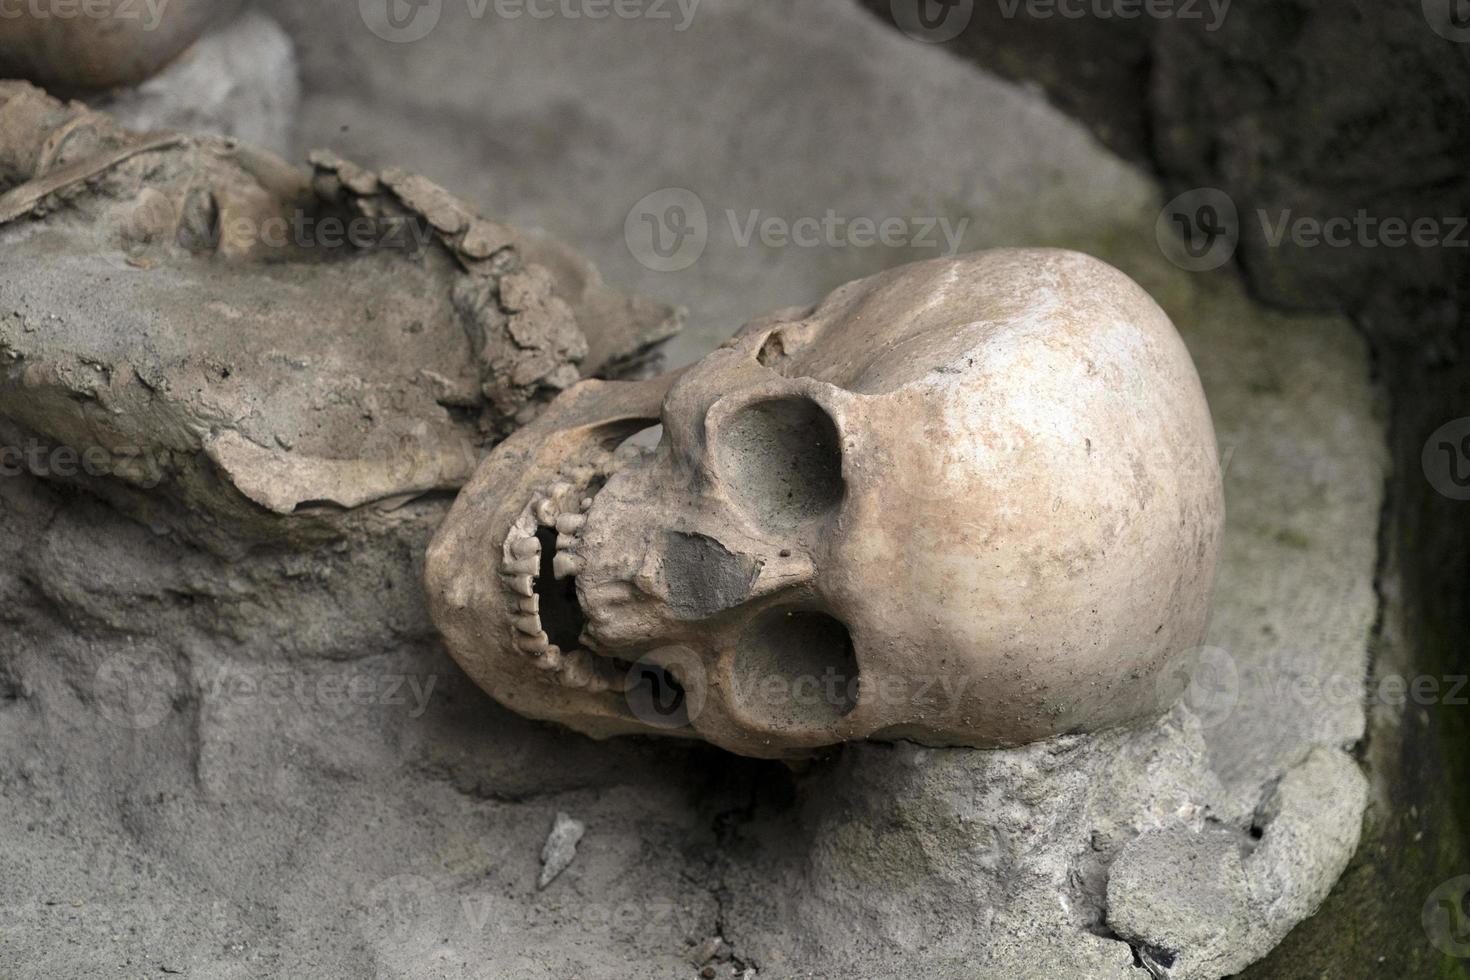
(189, 782)
(1185, 893)
(1207, 905)
(238, 80)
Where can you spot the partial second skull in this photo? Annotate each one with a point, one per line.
(965, 502)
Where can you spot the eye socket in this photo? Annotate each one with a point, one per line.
(782, 460)
(796, 669)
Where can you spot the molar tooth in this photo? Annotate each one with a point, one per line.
(567, 542)
(550, 658)
(567, 566)
(577, 669)
(521, 566)
(529, 624)
(522, 585)
(525, 548)
(531, 605)
(571, 523)
(537, 644)
(545, 512)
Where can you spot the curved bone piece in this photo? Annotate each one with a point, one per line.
(271, 352)
(973, 501)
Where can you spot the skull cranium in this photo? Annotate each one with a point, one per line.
(972, 501)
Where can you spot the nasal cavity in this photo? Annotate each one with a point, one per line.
(703, 576)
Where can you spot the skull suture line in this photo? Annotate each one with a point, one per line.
(972, 501)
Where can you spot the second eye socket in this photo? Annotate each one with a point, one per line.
(782, 460)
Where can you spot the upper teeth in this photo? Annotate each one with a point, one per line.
(567, 566)
(521, 566)
(562, 507)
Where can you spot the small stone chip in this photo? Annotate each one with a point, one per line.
(713, 948)
(561, 848)
(485, 238)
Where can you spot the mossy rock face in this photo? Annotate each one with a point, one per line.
(1417, 834)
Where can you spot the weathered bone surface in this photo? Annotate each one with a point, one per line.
(84, 52)
(284, 345)
(965, 502)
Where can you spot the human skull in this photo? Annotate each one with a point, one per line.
(971, 501)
